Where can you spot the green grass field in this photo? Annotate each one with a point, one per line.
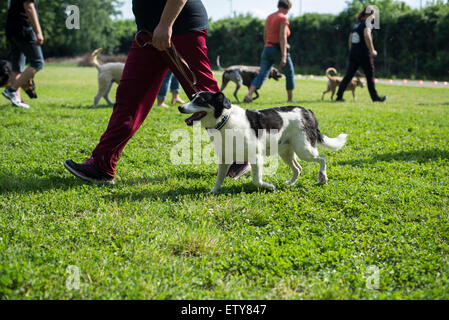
(156, 234)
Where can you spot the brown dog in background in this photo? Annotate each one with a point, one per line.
(334, 82)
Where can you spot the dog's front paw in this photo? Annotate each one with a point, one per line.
(322, 178)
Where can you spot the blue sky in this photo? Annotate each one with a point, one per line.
(218, 9)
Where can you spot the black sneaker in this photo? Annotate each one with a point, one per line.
(340, 100)
(88, 172)
(380, 99)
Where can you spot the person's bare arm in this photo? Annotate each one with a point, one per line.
(31, 13)
(283, 38)
(350, 42)
(163, 32)
(369, 42)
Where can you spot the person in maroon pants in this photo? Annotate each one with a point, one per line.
(181, 24)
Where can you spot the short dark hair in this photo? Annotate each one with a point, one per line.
(286, 4)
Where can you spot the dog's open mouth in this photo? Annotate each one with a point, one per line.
(195, 117)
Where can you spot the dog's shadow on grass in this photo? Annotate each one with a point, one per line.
(179, 193)
(419, 156)
(178, 174)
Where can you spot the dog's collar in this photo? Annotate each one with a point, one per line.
(222, 122)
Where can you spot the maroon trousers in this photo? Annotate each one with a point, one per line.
(142, 78)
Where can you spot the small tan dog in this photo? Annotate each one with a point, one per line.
(108, 73)
(334, 82)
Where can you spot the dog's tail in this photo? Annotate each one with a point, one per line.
(328, 72)
(95, 58)
(218, 64)
(332, 144)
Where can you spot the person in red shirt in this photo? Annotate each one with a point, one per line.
(276, 33)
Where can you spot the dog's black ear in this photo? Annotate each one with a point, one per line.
(221, 100)
(220, 103)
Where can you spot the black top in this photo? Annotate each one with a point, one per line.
(359, 46)
(17, 19)
(193, 16)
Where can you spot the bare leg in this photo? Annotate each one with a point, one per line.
(14, 77)
(161, 103)
(176, 99)
(23, 78)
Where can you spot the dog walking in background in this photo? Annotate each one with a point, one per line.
(334, 82)
(243, 75)
(108, 73)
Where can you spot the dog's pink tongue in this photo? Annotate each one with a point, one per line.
(194, 117)
(190, 120)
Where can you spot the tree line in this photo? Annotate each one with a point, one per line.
(411, 42)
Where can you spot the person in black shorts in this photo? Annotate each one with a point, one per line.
(361, 54)
(24, 38)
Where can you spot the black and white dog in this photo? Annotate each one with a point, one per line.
(293, 128)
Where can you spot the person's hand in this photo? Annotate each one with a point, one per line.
(283, 62)
(162, 37)
(40, 39)
(374, 53)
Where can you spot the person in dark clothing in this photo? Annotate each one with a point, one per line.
(162, 25)
(24, 37)
(361, 54)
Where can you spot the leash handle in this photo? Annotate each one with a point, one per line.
(177, 60)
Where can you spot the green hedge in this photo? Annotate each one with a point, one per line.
(411, 43)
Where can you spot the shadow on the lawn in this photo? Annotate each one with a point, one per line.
(183, 174)
(420, 156)
(30, 182)
(177, 194)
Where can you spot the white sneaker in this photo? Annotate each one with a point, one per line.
(14, 98)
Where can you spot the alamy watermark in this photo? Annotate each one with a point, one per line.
(373, 278)
(73, 17)
(373, 21)
(73, 280)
